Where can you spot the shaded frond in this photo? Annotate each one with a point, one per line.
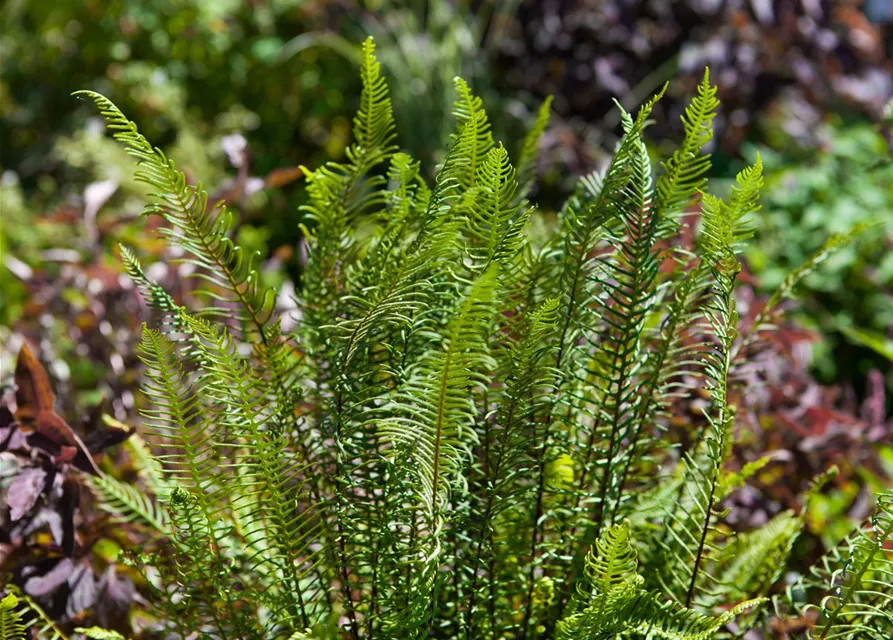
(434, 409)
(530, 148)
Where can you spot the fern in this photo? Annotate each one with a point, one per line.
(30, 618)
(617, 603)
(11, 626)
(859, 603)
(469, 404)
(530, 147)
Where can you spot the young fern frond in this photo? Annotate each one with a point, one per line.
(618, 605)
(469, 110)
(685, 171)
(628, 278)
(496, 224)
(340, 193)
(516, 426)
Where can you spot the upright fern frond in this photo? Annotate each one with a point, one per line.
(529, 149)
(495, 223)
(469, 112)
(689, 545)
(373, 127)
(508, 458)
(267, 498)
(685, 171)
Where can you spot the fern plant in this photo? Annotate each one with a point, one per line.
(467, 434)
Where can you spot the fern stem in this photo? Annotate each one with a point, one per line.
(345, 583)
(701, 544)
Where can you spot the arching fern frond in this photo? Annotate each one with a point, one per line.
(201, 228)
(434, 412)
(129, 503)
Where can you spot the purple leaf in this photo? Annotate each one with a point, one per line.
(24, 491)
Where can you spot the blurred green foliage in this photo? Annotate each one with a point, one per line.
(190, 71)
(813, 192)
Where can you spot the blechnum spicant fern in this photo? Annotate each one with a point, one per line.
(465, 435)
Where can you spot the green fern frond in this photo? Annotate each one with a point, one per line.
(754, 561)
(435, 412)
(201, 228)
(495, 223)
(685, 171)
(209, 594)
(40, 625)
(266, 498)
(688, 545)
(11, 625)
(339, 194)
(469, 112)
(618, 604)
(129, 503)
(373, 127)
(860, 574)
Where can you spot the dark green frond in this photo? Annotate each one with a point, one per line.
(530, 149)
